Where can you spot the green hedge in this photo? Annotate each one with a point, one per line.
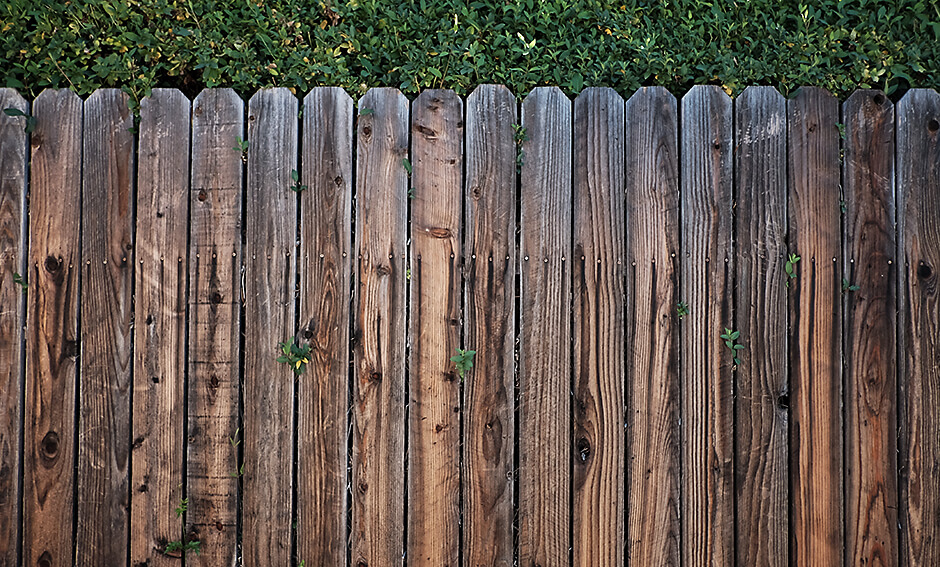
(247, 44)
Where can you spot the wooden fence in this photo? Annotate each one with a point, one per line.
(592, 256)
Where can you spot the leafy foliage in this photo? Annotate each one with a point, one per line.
(294, 355)
(682, 309)
(463, 360)
(730, 337)
(30, 124)
(790, 267)
(177, 548)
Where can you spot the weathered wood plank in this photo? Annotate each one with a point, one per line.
(918, 158)
(12, 318)
(106, 319)
(325, 278)
(270, 272)
(545, 336)
(378, 459)
(599, 266)
(815, 330)
(215, 259)
(707, 365)
(434, 384)
(761, 395)
(871, 489)
(652, 355)
(490, 320)
(160, 325)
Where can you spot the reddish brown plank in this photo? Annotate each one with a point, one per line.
(761, 395)
(599, 250)
(378, 413)
(270, 273)
(815, 330)
(12, 318)
(918, 159)
(490, 319)
(871, 489)
(106, 314)
(707, 365)
(434, 396)
(545, 335)
(325, 271)
(160, 325)
(652, 356)
(215, 258)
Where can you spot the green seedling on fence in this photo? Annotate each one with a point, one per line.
(682, 309)
(241, 146)
(848, 286)
(234, 441)
(407, 165)
(841, 128)
(407, 273)
(294, 355)
(183, 505)
(730, 337)
(296, 187)
(519, 136)
(366, 111)
(30, 120)
(790, 267)
(464, 361)
(238, 473)
(411, 193)
(178, 548)
(20, 281)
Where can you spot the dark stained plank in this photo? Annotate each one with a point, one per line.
(434, 397)
(160, 325)
(106, 318)
(215, 258)
(652, 380)
(378, 413)
(815, 340)
(12, 317)
(270, 272)
(599, 251)
(760, 249)
(52, 338)
(706, 369)
(325, 276)
(545, 335)
(918, 159)
(490, 319)
(870, 340)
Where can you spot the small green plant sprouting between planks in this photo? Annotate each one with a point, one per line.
(179, 548)
(366, 111)
(20, 281)
(234, 441)
(682, 309)
(30, 120)
(241, 146)
(295, 355)
(407, 273)
(519, 136)
(296, 187)
(238, 473)
(405, 162)
(181, 509)
(841, 128)
(848, 286)
(730, 337)
(790, 267)
(464, 361)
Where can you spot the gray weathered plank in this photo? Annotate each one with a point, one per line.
(106, 317)
(598, 264)
(490, 318)
(325, 263)
(815, 330)
(918, 199)
(434, 384)
(160, 325)
(378, 428)
(215, 258)
(270, 272)
(707, 365)
(871, 487)
(12, 318)
(545, 335)
(652, 202)
(761, 402)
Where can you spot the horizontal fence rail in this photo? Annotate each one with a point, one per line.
(473, 331)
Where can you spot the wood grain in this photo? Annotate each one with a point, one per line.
(761, 391)
(870, 340)
(707, 364)
(918, 158)
(325, 278)
(160, 325)
(599, 252)
(378, 459)
(815, 330)
(107, 279)
(270, 277)
(434, 383)
(545, 334)
(13, 143)
(652, 202)
(215, 259)
(490, 327)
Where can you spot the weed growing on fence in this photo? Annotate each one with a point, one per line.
(241, 146)
(730, 337)
(464, 361)
(790, 267)
(296, 187)
(240, 472)
(178, 548)
(181, 508)
(30, 120)
(407, 165)
(366, 111)
(682, 309)
(20, 281)
(295, 355)
(841, 128)
(847, 286)
(520, 136)
(234, 441)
